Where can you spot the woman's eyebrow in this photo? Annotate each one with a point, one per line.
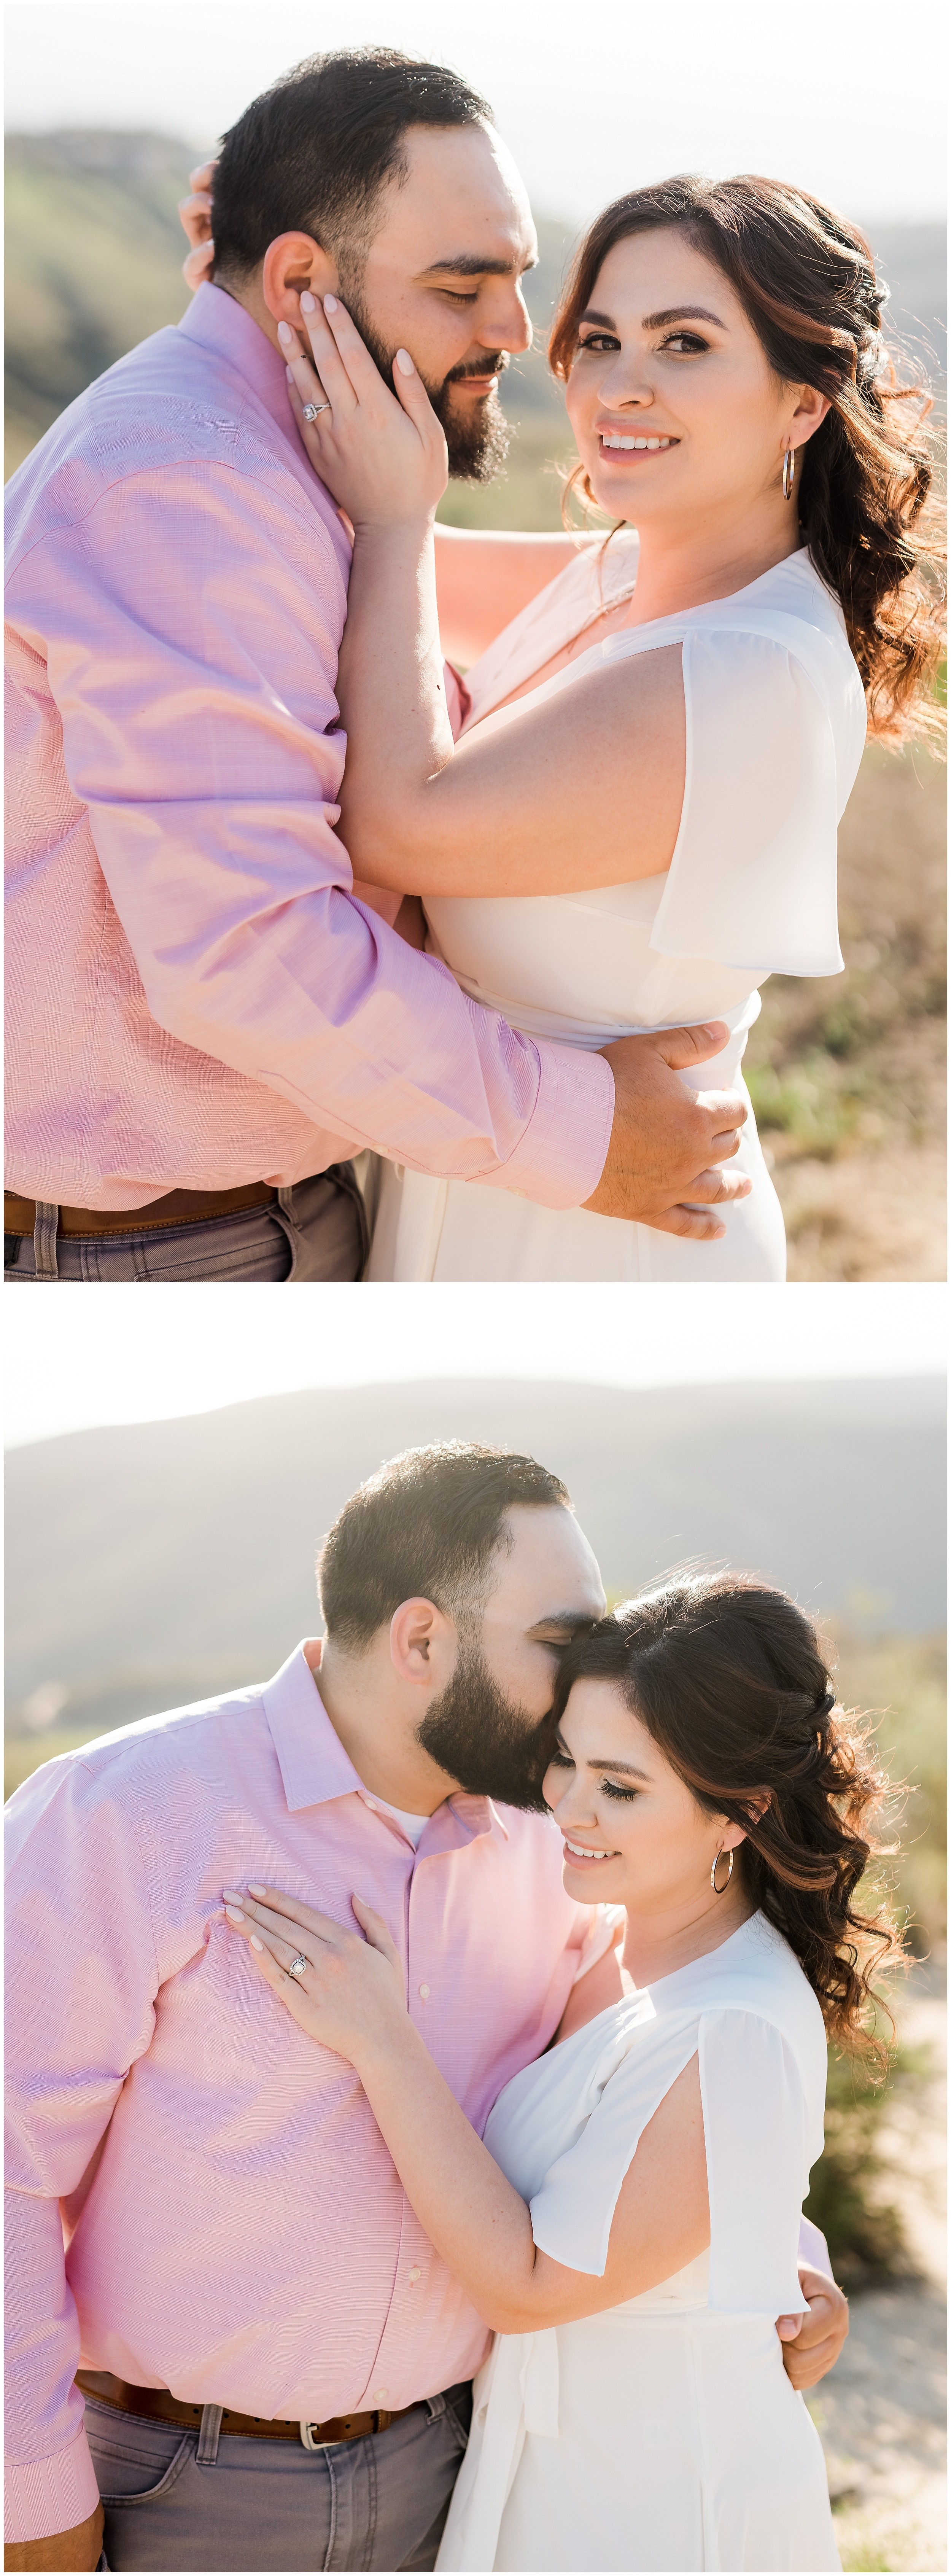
(656, 321)
(607, 1763)
(681, 313)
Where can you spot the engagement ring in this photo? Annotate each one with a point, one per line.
(299, 1966)
(311, 409)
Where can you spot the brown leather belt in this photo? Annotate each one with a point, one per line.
(178, 1207)
(259, 2428)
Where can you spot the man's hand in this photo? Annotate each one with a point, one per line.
(195, 216)
(665, 1136)
(811, 2344)
(81, 2547)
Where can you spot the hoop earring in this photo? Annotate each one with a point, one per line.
(789, 469)
(721, 1891)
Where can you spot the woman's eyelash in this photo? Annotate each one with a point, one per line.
(610, 1788)
(687, 343)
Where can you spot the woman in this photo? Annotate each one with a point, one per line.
(629, 2225)
(638, 823)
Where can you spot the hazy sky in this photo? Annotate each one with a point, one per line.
(846, 100)
(75, 1362)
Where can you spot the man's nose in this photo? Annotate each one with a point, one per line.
(507, 325)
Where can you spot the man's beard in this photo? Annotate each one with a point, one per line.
(478, 444)
(486, 1742)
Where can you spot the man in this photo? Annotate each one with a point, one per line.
(205, 1021)
(275, 2365)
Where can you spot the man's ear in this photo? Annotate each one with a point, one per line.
(422, 1643)
(292, 263)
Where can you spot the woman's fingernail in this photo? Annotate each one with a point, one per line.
(254, 1889)
(307, 303)
(330, 304)
(255, 1943)
(231, 1896)
(284, 332)
(234, 1914)
(405, 363)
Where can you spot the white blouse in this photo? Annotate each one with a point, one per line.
(776, 726)
(661, 2433)
(566, 2129)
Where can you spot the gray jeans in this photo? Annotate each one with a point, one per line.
(203, 2500)
(316, 1230)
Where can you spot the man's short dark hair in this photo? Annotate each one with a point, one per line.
(427, 1525)
(312, 154)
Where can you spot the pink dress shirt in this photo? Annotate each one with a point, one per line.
(234, 2227)
(195, 997)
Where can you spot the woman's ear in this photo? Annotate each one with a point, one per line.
(808, 416)
(293, 263)
(757, 1804)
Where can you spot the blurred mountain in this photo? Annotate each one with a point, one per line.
(153, 1564)
(94, 252)
(94, 256)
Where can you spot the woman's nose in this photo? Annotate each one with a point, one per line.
(623, 387)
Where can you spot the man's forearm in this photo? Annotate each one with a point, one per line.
(81, 2547)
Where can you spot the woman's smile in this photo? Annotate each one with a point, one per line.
(580, 1852)
(626, 442)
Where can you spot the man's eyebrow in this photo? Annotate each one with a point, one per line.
(469, 264)
(574, 1621)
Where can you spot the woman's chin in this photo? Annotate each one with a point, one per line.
(617, 502)
(588, 1881)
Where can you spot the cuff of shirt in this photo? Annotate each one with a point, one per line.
(46, 2496)
(559, 1159)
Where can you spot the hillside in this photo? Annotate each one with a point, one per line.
(150, 1564)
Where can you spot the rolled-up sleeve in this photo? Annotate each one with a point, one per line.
(189, 620)
(79, 2011)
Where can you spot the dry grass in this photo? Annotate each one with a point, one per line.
(848, 1075)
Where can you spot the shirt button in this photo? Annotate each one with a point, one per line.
(380, 2396)
(415, 2274)
(424, 1991)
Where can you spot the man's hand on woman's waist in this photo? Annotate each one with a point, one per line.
(667, 1141)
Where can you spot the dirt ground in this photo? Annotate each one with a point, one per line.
(847, 1074)
(881, 2412)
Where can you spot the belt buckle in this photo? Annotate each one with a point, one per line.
(307, 2437)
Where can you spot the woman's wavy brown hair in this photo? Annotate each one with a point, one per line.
(730, 1679)
(806, 280)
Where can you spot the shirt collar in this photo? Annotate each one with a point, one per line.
(315, 1767)
(221, 325)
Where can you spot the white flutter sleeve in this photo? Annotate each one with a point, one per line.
(752, 881)
(757, 2134)
(572, 2212)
